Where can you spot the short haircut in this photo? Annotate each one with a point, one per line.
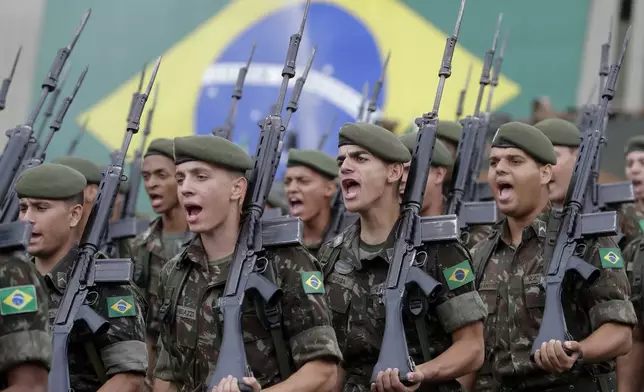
(79, 198)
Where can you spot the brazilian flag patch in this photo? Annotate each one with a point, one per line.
(458, 275)
(611, 258)
(18, 299)
(312, 282)
(121, 306)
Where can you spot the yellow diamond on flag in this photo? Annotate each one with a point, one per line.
(611, 257)
(121, 306)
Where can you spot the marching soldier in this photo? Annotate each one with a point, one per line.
(355, 265)
(163, 238)
(25, 341)
(633, 227)
(565, 138)
(93, 176)
(310, 185)
(438, 186)
(509, 268)
(51, 198)
(210, 175)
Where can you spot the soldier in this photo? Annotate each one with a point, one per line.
(51, 198)
(438, 186)
(210, 173)
(310, 185)
(92, 173)
(565, 137)
(25, 341)
(163, 238)
(633, 227)
(355, 265)
(509, 268)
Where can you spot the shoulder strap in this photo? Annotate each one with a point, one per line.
(95, 359)
(172, 291)
(270, 316)
(483, 255)
(144, 257)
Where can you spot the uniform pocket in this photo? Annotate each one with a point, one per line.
(489, 292)
(535, 298)
(338, 293)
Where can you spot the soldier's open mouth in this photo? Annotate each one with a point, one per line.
(192, 210)
(351, 188)
(295, 205)
(505, 190)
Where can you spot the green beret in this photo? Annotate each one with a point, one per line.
(315, 160)
(161, 147)
(377, 140)
(51, 181)
(635, 143)
(560, 132)
(450, 131)
(89, 169)
(211, 149)
(124, 187)
(527, 138)
(441, 156)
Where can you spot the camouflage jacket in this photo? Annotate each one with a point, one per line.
(122, 349)
(192, 326)
(24, 327)
(631, 223)
(634, 258)
(511, 287)
(355, 290)
(150, 253)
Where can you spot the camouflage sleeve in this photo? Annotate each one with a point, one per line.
(136, 256)
(459, 304)
(608, 297)
(163, 368)
(123, 347)
(629, 225)
(24, 326)
(476, 235)
(306, 316)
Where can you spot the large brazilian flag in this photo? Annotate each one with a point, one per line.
(204, 42)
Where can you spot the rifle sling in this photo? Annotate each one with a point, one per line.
(94, 358)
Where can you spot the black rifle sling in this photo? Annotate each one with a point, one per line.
(481, 258)
(636, 285)
(95, 359)
(270, 316)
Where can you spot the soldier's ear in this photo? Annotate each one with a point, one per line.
(75, 215)
(546, 174)
(395, 172)
(238, 189)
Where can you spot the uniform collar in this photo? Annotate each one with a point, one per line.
(196, 254)
(59, 275)
(155, 227)
(538, 227)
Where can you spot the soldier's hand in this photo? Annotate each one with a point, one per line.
(230, 384)
(552, 358)
(389, 381)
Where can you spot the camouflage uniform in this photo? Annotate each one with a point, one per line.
(151, 252)
(191, 327)
(475, 235)
(631, 223)
(24, 328)
(355, 288)
(510, 286)
(634, 257)
(122, 349)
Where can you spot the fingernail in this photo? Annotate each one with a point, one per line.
(558, 341)
(388, 369)
(551, 341)
(410, 376)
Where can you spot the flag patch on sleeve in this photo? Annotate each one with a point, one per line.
(18, 299)
(312, 282)
(458, 275)
(611, 258)
(121, 306)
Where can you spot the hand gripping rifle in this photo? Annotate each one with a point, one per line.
(87, 272)
(468, 156)
(74, 143)
(248, 261)
(404, 268)
(373, 101)
(4, 90)
(10, 213)
(21, 143)
(576, 226)
(226, 130)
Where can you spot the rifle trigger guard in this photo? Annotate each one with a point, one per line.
(91, 298)
(418, 263)
(261, 264)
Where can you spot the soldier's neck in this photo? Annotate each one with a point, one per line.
(174, 220)
(46, 264)
(376, 222)
(640, 204)
(220, 241)
(435, 207)
(557, 204)
(517, 224)
(314, 227)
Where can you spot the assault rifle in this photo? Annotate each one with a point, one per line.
(4, 90)
(461, 95)
(226, 130)
(363, 102)
(372, 105)
(87, 272)
(404, 268)
(247, 259)
(74, 143)
(577, 225)
(52, 101)
(12, 209)
(21, 144)
(468, 158)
